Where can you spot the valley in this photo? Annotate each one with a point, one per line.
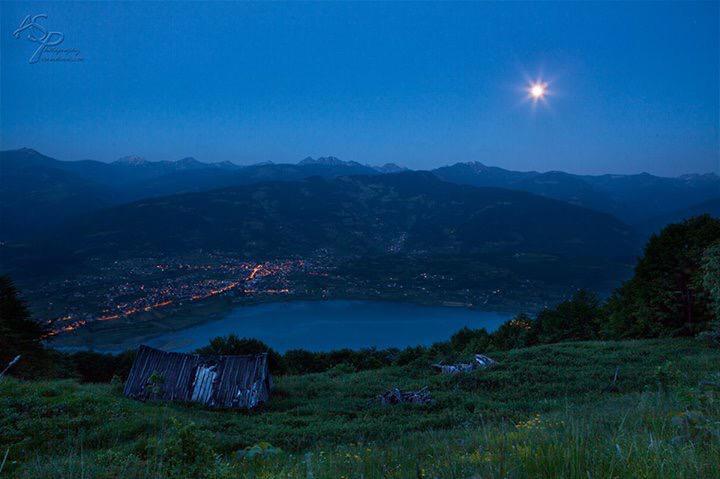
(359, 240)
(135, 299)
(166, 241)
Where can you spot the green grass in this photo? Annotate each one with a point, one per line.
(544, 412)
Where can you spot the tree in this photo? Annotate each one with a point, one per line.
(470, 340)
(519, 332)
(711, 282)
(575, 320)
(667, 295)
(711, 276)
(19, 334)
(232, 345)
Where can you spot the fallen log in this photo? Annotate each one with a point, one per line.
(481, 362)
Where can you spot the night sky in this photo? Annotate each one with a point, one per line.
(632, 87)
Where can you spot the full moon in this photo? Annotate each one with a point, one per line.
(537, 90)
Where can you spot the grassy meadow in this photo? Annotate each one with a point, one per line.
(545, 411)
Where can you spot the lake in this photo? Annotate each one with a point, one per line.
(327, 325)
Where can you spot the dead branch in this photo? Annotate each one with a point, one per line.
(2, 465)
(10, 364)
(613, 384)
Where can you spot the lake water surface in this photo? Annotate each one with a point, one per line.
(326, 325)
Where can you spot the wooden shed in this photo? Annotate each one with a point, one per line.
(238, 382)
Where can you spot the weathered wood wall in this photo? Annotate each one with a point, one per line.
(216, 381)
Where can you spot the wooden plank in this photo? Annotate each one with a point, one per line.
(235, 382)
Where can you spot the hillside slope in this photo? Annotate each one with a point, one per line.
(544, 412)
(37, 194)
(632, 198)
(410, 212)
(710, 207)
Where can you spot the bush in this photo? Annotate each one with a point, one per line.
(300, 361)
(185, 452)
(92, 367)
(470, 340)
(711, 276)
(576, 320)
(410, 355)
(234, 346)
(519, 332)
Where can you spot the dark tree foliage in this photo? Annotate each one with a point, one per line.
(470, 338)
(578, 319)
(300, 361)
(711, 282)
(462, 346)
(711, 276)
(19, 334)
(232, 345)
(410, 355)
(667, 296)
(519, 332)
(91, 367)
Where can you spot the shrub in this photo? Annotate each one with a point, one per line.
(578, 319)
(113, 463)
(233, 345)
(92, 367)
(470, 340)
(519, 332)
(410, 355)
(300, 361)
(185, 452)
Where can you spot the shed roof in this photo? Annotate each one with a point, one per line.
(214, 380)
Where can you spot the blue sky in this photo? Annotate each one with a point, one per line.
(634, 86)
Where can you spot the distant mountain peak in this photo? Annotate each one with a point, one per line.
(29, 151)
(390, 168)
(475, 166)
(187, 159)
(324, 160)
(131, 160)
(188, 162)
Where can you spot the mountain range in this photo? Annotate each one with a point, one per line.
(39, 194)
(632, 198)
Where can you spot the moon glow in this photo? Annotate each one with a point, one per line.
(537, 90)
